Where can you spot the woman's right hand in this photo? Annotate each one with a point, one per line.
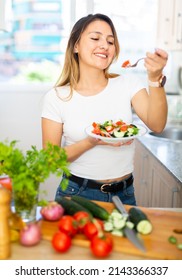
(96, 142)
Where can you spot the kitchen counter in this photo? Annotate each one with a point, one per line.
(167, 152)
(44, 251)
(156, 243)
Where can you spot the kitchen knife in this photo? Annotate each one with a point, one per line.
(130, 233)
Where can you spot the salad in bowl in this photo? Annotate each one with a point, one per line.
(115, 131)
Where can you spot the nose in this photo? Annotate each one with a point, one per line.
(104, 45)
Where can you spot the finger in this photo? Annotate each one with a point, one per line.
(161, 53)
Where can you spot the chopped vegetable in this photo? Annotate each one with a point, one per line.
(172, 239)
(179, 246)
(116, 223)
(113, 129)
(126, 63)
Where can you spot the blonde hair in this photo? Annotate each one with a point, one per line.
(70, 73)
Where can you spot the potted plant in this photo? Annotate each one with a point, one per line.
(28, 170)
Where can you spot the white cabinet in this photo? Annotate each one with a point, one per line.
(154, 185)
(169, 24)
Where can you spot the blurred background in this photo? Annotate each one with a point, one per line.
(33, 39)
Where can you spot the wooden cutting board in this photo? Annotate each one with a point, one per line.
(157, 245)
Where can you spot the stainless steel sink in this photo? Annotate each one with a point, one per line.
(169, 133)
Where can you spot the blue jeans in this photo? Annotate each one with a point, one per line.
(126, 195)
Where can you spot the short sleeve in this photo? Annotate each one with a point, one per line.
(51, 108)
(136, 84)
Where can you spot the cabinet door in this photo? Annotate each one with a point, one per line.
(142, 175)
(164, 24)
(154, 185)
(166, 191)
(177, 26)
(169, 26)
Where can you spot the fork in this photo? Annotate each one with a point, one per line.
(127, 64)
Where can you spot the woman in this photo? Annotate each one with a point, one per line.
(87, 93)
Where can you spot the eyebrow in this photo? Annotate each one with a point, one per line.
(97, 32)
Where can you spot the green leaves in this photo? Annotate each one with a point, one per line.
(28, 170)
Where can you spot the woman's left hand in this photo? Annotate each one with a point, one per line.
(155, 63)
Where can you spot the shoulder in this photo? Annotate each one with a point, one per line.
(57, 94)
(128, 80)
(125, 77)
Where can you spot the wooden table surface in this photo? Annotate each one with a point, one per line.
(45, 251)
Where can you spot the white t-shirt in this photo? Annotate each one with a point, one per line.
(113, 103)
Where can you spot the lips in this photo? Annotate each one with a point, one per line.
(101, 55)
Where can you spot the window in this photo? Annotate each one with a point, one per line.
(33, 50)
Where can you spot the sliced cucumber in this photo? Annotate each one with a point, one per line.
(119, 224)
(117, 232)
(140, 220)
(119, 134)
(144, 227)
(108, 226)
(130, 224)
(116, 215)
(115, 223)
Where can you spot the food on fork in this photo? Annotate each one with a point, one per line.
(126, 64)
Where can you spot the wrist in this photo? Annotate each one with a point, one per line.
(160, 82)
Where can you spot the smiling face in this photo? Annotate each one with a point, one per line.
(96, 47)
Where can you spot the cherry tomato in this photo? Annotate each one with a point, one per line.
(123, 127)
(125, 63)
(68, 225)
(94, 124)
(101, 246)
(93, 228)
(61, 242)
(96, 130)
(82, 218)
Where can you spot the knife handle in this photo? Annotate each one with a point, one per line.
(119, 205)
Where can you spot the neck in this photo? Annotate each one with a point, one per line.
(91, 82)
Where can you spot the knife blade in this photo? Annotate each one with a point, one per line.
(130, 233)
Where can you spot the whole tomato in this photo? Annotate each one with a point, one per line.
(82, 218)
(68, 225)
(61, 242)
(101, 246)
(93, 228)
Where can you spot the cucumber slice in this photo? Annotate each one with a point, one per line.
(108, 226)
(119, 134)
(116, 215)
(140, 220)
(117, 232)
(144, 227)
(130, 224)
(179, 246)
(119, 224)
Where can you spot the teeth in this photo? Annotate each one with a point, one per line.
(101, 55)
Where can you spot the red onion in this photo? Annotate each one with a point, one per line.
(52, 212)
(30, 235)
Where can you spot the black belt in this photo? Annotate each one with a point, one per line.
(112, 187)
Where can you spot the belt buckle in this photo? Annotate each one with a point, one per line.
(101, 188)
